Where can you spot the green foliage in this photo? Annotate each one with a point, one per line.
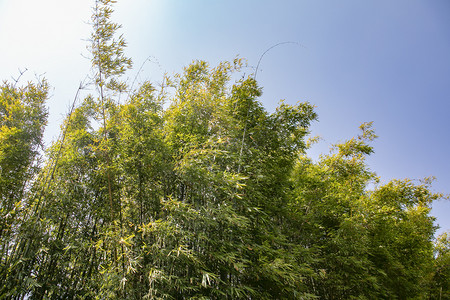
(200, 193)
(401, 233)
(22, 120)
(366, 244)
(440, 277)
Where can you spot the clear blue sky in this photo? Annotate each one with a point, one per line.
(383, 61)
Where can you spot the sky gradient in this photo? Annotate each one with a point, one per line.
(356, 61)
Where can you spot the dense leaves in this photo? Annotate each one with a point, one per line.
(194, 190)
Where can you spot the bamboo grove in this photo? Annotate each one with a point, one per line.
(193, 190)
